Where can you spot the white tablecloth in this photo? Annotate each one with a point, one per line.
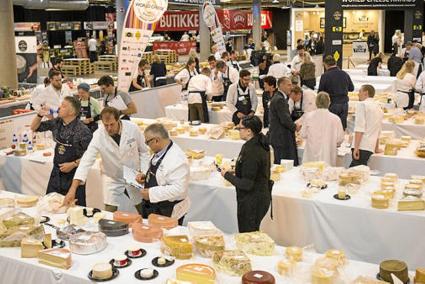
(363, 72)
(18, 270)
(363, 232)
(179, 112)
(408, 127)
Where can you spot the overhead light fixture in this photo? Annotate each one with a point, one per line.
(275, 1)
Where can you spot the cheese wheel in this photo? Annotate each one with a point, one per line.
(102, 271)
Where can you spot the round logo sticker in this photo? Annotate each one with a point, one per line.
(22, 45)
(150, 11)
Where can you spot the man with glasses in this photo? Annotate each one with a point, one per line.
(52, 96)
(72, 138)
(122, 149)
(167, 179)
(242, 98)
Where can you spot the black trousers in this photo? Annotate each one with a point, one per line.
(341, 110)
(364, 158)
(311, 83)
(281, 153)
(93, 56)
(251, 211)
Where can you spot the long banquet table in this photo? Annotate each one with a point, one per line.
(180, 111)
(15, 269)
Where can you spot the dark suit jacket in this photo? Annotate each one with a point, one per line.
(282, 128)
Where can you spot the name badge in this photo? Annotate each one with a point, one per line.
(241, 98)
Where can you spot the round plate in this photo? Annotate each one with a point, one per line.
(115, 274)
(142, 255)
(137, 275)
(379, 278)
(167, 263)
(111, 262)
(44, 219)
(346, 197)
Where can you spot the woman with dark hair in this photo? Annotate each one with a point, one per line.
(142, 80)
(252, 176)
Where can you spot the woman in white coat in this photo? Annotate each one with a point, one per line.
(322, 131)
(119, 143)
(406, 81)
(167, 179)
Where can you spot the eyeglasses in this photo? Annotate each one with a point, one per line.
(147, 142)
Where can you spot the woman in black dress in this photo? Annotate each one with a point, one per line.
(252, 176)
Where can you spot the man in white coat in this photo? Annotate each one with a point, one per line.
(167, 179)
(322, 131)
(278, 69)
(120, 144)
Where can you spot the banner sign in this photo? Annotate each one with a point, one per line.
(230, 20)
(181, 47)
(27, 27)
(193, 2)
(378, 4)
(212, 21)
(96, 25)
(26, 58)
(139, 24)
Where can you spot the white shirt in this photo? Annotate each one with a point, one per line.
(217, 87)
(200, 83)
(92, 43)
(231, 63)
(37, 91)
(296, 63)
(309, 102)
(323, 133)
(420, 83)
(231, 73)
(50, 97)
(185, 37)
(232, 96)
(131, 152)
(368, 120)
(278, 70)
(401, 98)
(217, 55)
(184, 75)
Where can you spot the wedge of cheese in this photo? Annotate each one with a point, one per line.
(56, 257)
(196, 273)
(31, 247)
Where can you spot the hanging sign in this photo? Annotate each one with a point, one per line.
(139, 24)
(378, 4)
(210, 18)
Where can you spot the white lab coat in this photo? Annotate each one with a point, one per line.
(217, 87)
(131, 152)
(172, 177)
(323, 132)
(199, 83)
(232, 97)
(231, 73)
(296, 63)
(50, 97)
(37, 91)
(278, 70)
(401, 98)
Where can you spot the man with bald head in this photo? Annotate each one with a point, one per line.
(282, 128)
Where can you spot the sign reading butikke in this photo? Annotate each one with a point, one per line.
(381, 4)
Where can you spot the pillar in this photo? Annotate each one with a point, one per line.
(408, 25)
(205, 40)
(256, 23)
(418, 17)
(7, 46)
(121, 9)
(334, 30)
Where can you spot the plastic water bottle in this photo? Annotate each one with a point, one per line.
(30, 147)
(54, 112)
(25, 139)
(14, 141)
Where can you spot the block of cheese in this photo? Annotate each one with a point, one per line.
(337, 255)
(396, 267)
(416, 182)
(47, 241)
(256, 243)
(76, 216)
(318, 165)
(193, 133)
(294, 253)
(13, 236)
(196, 273)
(420, 275)
(258, 277)
(202, 228)
(162, 221)
(380, 201)
(207, 245)
(175, 281)
(195, 154)
(234, 134)
(173, 133)
(411, 203)
(391, 176)
(7, 202)
(388, 193)
(146, 233)
(202, 130)
(285, 267)
(18, 219)
(127, 217)
(422, 178)
(232, 262)
(216, 132)
(420, 120)
(57, 257)
(102, 271)
(177, 246)
(27, 201)
(390, 149)
(30, 247)
(87, 242)
(321, 275)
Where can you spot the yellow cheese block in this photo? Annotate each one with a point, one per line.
(47, 241)
(57, 257)
(318, 165)
(193, 133)
(391, 176)
(411, 204)
(202, 130)
(234, 134)
(322, 276)
(173, 133)
(337, 255)
(196, 273)
(294, 253)
(177, 246)
(27, 201)
(420, 275)
(30, 247)
(380, 201)
(285, 267)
